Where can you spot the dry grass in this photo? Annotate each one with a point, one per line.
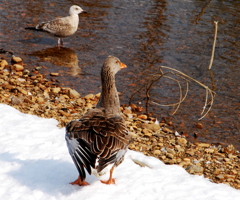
(173, 74)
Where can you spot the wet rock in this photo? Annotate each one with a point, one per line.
(16, 59)
(199, 125)
(54, 74)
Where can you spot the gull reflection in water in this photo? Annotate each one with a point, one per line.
(61, 57)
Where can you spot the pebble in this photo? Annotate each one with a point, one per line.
(56, 90)
(16, 59)
(167, 130)
(89, 96)
(193, 169)
(73, 93)
(142, 117)
(127, 111)
(204, 145)
(181, 141)
(18, 67)
(54, 74)
(153, 127)
(147, 132)
(3, 64)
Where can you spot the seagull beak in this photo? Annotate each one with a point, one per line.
(84, 11)
(122, 65)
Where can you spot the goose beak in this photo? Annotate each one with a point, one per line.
(122, 65)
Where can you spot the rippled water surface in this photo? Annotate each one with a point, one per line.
(144, 35)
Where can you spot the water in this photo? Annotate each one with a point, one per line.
(144, 35)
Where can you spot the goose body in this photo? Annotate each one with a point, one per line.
(100, 138)
(61, 27)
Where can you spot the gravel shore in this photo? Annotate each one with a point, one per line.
(31, 93)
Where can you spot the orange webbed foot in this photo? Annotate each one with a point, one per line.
(79, 182)
(109, 182)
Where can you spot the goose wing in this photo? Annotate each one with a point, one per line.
(95, 137)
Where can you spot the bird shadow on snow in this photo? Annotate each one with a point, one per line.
(50, 176)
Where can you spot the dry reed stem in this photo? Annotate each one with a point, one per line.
(181, 96)
(214, 44)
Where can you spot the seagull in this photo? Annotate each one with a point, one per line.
(99, 140)
(61, 27)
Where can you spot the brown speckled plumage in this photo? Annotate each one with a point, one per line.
(101, 134)
(61, 27)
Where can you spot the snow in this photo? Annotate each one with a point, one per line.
(35, 164)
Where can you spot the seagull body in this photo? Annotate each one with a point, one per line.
(61, 27)
(100, 138)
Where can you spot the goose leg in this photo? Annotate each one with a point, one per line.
(79, 182)
(110, 180)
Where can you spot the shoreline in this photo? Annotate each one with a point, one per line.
(31, 93)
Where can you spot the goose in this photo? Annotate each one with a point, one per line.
(61, 27)
(100, 138)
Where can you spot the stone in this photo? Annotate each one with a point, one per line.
(181, 141)
(3, 64)
(23, 91)
(199, 125)
(40, 100)
(153, 127)
(192, 169)
(89, 105)
(142, 117)
(204, 145)
(98, 95)
(16, 59)
(54, 74)
(18, 67)
(127, 111)
(169, 150)
(147, 132)
(73, 93)
(56, 90)
(220, 177)
(167, 130)
(209, 150)
(89, 96)
(156, 152)
(169, 155)
(16, 101)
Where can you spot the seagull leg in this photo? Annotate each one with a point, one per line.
(79, 182)
(60, 42)
(110, 180)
